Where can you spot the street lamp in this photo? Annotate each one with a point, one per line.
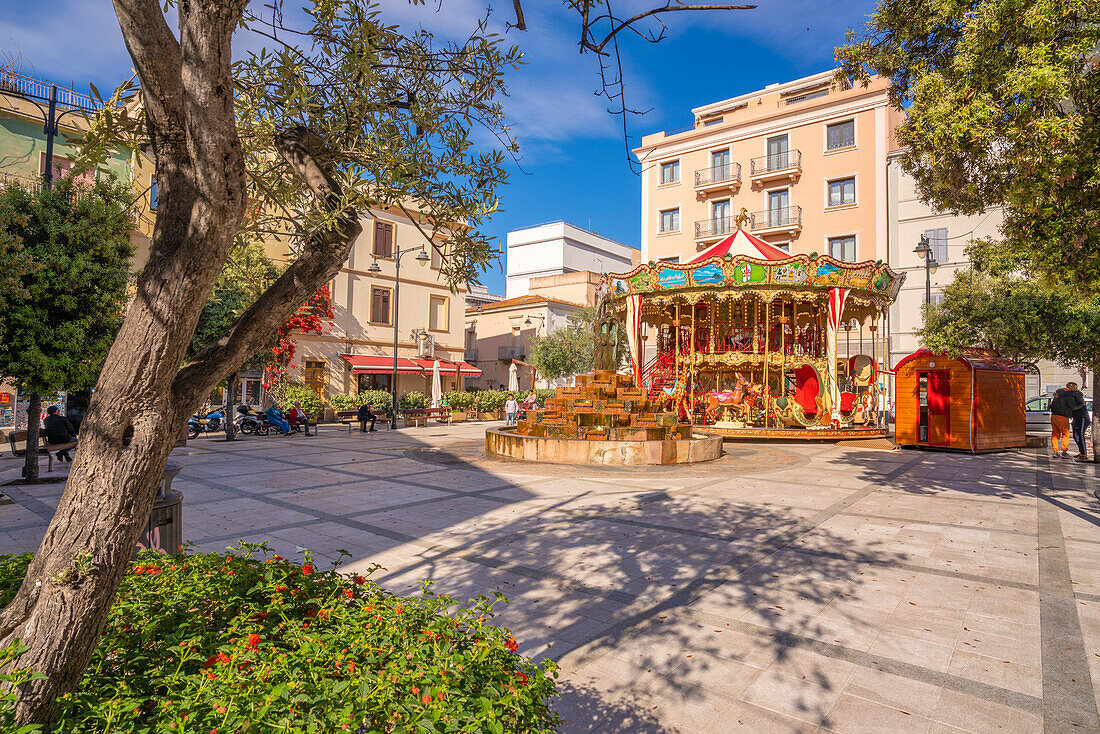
(925, 251)
(421, 257)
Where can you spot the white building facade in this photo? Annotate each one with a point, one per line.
(557, 248)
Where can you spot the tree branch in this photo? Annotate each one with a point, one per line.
(669, 7)
(320, 260)
(156, 54)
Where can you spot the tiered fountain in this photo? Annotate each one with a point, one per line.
(603, 419)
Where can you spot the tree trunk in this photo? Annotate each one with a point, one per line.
(230, 407)
(34, 418)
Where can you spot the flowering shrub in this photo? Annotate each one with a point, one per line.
(312, 318)
(378, 398)
(311, 404)
(250, 642)
(412, 400)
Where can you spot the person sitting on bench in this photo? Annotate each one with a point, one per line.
(298, 417)
(365, 414)
(58, 429)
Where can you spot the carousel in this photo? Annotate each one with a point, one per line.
(748, 341)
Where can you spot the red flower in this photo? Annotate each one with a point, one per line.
(253, 642)
(522, 677)
(307, 569)
(221, 657)
(359, 580)
(416, 691)
(279, 588)
(427, 699)
(512, 645)
(278, 558)
(348, 593)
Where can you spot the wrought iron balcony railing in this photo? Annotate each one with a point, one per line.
(713, 227)
(470, 355)
(776, 162)
(790, 216)
(507, 353)
(728, 173)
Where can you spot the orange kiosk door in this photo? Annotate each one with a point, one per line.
(934, 392)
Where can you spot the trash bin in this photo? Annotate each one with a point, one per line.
(164, 531)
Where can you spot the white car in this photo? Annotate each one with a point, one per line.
(1037, 413)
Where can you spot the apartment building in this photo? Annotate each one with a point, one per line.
(557, 248)
(357, 352)
(805, 160)
(948, 235)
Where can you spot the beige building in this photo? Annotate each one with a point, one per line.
(948, 235)
(805, 159)
(357, 351)
(498, 334)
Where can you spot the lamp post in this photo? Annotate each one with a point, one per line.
(924, 250)
(421, 257)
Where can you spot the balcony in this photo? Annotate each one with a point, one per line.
(713, 229)
(777, 221)
(470, 355)
(718, 178)
(507, 354)
(786, 165)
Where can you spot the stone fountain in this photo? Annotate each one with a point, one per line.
(602, 419)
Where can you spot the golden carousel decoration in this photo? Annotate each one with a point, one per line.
(744, 340)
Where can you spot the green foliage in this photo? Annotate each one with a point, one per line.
(289, 392)
(491, 401)
(377, 398)
(71, 248)
(1025, 319)
(460, 400)
(543, 395)
(566, 351)
(248, 641)
(13, 678)
(412, 400)
(1003, 103)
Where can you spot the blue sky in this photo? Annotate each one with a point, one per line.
(573, 161)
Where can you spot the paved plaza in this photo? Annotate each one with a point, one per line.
(783, 588)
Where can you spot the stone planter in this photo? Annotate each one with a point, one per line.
(490, 415)
(458, 416)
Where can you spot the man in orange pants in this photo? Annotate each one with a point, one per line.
(1062, 405)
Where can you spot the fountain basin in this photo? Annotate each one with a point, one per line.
(506, 443)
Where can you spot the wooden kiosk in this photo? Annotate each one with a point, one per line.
(973, 402)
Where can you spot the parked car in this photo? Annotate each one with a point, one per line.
(1037, 413)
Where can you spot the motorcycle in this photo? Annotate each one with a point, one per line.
(251, 421)
(209, 423)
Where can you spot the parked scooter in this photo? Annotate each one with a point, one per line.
(211, 422)
(251, 421)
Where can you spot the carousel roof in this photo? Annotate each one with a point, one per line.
(743, 243)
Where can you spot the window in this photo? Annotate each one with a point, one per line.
(379, 305)
(937, 240)
(840, 135)
(778, 153)
(153, 194)
(670, 172)
(670, 220)
(842, 192)
(843, 248)
(437, 258)
(720, 215)
(712, 121)
(314, 375)
(383, 239)
(779, 209)
(937, 298)
(437, 313)
(808, 95)
(62, 167)
(674, 259)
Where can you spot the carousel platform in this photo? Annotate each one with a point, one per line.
(794, 434)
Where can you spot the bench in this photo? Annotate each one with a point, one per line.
(350, 418)
(421, 416)
(48, 450)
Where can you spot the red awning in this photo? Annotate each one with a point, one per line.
(447, 368)
(743, 243)
(376, 364)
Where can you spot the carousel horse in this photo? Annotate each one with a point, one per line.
(741, 399)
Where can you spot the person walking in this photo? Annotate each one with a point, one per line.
(58, 429)
(1081, 420)
(1062, 406)
(365, 414)
(276, 418)
(511, 407)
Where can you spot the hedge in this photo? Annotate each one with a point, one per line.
(251, 642)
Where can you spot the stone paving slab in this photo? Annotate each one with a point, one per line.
(783, 588)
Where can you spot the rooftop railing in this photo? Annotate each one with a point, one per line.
(40, 90)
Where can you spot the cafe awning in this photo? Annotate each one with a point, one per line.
(377, 364)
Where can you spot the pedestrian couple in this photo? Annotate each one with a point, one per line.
(1068, 415)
